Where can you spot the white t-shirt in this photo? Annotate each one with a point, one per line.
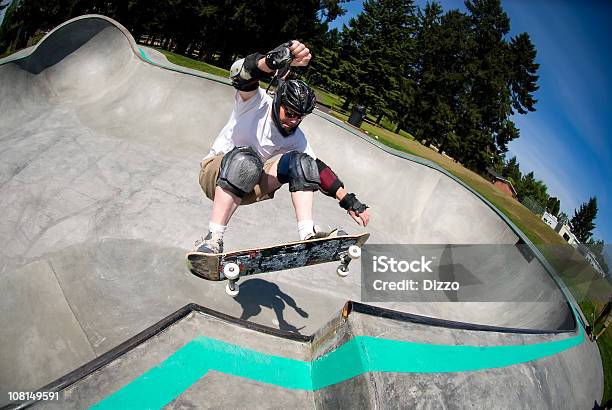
(251, 125)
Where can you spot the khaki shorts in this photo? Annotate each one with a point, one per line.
(209, 173)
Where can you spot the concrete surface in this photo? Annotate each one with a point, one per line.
(541, 383)
(100, 150)
(213, 391)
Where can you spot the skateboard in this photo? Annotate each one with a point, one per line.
(235, 264)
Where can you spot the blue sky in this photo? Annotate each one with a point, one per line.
(3, 10)
(567, 142)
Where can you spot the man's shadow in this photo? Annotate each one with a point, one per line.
(255, 293)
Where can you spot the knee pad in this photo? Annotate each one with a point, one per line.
(240, 171)
(299, 170)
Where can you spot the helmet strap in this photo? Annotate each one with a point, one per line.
(276, 118)
(278, 80)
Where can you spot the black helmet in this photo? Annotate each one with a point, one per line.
(295, 95)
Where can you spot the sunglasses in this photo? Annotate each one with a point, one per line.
(292, 114)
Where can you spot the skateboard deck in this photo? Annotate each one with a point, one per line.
(274, 258)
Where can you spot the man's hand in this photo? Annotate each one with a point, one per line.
(290, 53)
(357, 210)
(362, 218)
(301, 54)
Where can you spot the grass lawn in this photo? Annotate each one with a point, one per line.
(537, 231)
(193, 64)
(605, 348)
(328, 99)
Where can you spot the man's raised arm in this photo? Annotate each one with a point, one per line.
(246, 72)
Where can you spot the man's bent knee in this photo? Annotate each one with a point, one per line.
(299, 170)
(240, 171)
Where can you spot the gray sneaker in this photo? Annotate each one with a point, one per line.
(318, 233)
(212, 243)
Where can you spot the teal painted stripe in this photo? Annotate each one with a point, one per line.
(195, 73)
(144, 56)
(165, 382)
(369, 354)
(158, 386)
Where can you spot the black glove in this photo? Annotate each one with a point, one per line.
(351, 203)
(279, 57)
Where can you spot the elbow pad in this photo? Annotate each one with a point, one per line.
(245, 74)
(330, 183)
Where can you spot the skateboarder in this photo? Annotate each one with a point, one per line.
(261, 147)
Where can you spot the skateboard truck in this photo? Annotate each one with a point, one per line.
(232, 273)
(354, 252)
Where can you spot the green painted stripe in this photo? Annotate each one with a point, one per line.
(165, 382)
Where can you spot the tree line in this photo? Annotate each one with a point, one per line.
(450, 79)
(582, 222)
(220, 29)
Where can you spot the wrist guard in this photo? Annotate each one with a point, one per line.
(279, 57)
(250, 65)
(245, 74)
(351, 203)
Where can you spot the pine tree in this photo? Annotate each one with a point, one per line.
(501, 77)
(376, 50)
(550, 203)
(322, 70)
(556, 207)
(523, 80)
(582, 224)
(553, 205)
(457, 133)
(512, 171)
(417, 114)
(531, 188)
(468, 78)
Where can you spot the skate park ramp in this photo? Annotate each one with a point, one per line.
(100, 148)
(227, 362)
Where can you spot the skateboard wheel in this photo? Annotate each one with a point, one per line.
(342, 271)
(354, 252)
(231, 271)
(229, 291)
